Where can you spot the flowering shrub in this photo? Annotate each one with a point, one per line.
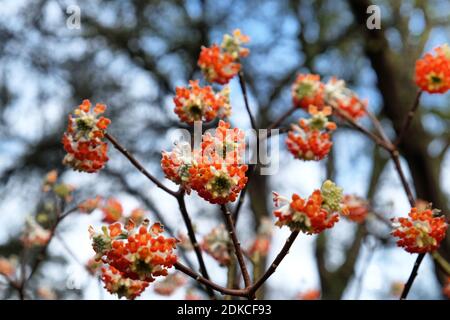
(310, 139)
(312, 215)
(221, 64)
(131, 257)
(83, 140)
(433, 71)
(421, 232)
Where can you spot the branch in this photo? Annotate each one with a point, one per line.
(409, 118)
(237, 245)
(280, 120)
(244, 93)
(138, 165)
(208, 283)
(193, 239)
(284, 251)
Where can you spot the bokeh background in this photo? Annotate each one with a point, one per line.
(131, 54)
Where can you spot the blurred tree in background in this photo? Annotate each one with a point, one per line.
(131, 54)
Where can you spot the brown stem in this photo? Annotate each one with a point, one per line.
(244, 93)
(379, 141)
(396, 158)
(412, 276)
(209, 283)
(284, 251)
(138, 165)
(237, 245)
(193, 239)
(409, 118)
(277, 122)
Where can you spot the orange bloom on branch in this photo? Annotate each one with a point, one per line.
(421, 232)
(221, 63)
(83, 139)
(312, 215)
(307, 90)
(310, 139)
(357, 208)
(433, 71)
(141, 253)
(201, 103)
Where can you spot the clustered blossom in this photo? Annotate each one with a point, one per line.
(83, 140)
(46, 293)
(217, 244)
(312, 215)
(312, 294)
(89, 205)
(133, 257)
(112, 211)
(221, 63)
(310, 138)
(433, 71)
(195, 103)
(116, 283)
(261, 245)
(421, 232)
(307, 90)
(446, 289)
(215, 171)
(8, 266)
(34, 234)
(357, 208)
(169, 284)
(340, 97)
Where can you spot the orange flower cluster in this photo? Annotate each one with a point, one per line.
(116, 283)
(89, 205)
(217, 244)
(34, 234)
(221, 64)
(83, 140)
(8, 266)
(310, 139)
(307, 90)
(421, 232)
(170, 284)
(201, 103)
(312, 215)
(215, 171)
(446, 289)
(261, 245)
(112, 211)
(137, 254)
(312, 294)
(357, 208)
(339, 96)
(433, 71)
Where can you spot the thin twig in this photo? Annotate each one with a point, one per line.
(237, 245)
(247, 106)
(409, 118)
(412, 276)
(280, 120)
(193, 239)
(284, 251)
(138, 165)
(209, 283)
